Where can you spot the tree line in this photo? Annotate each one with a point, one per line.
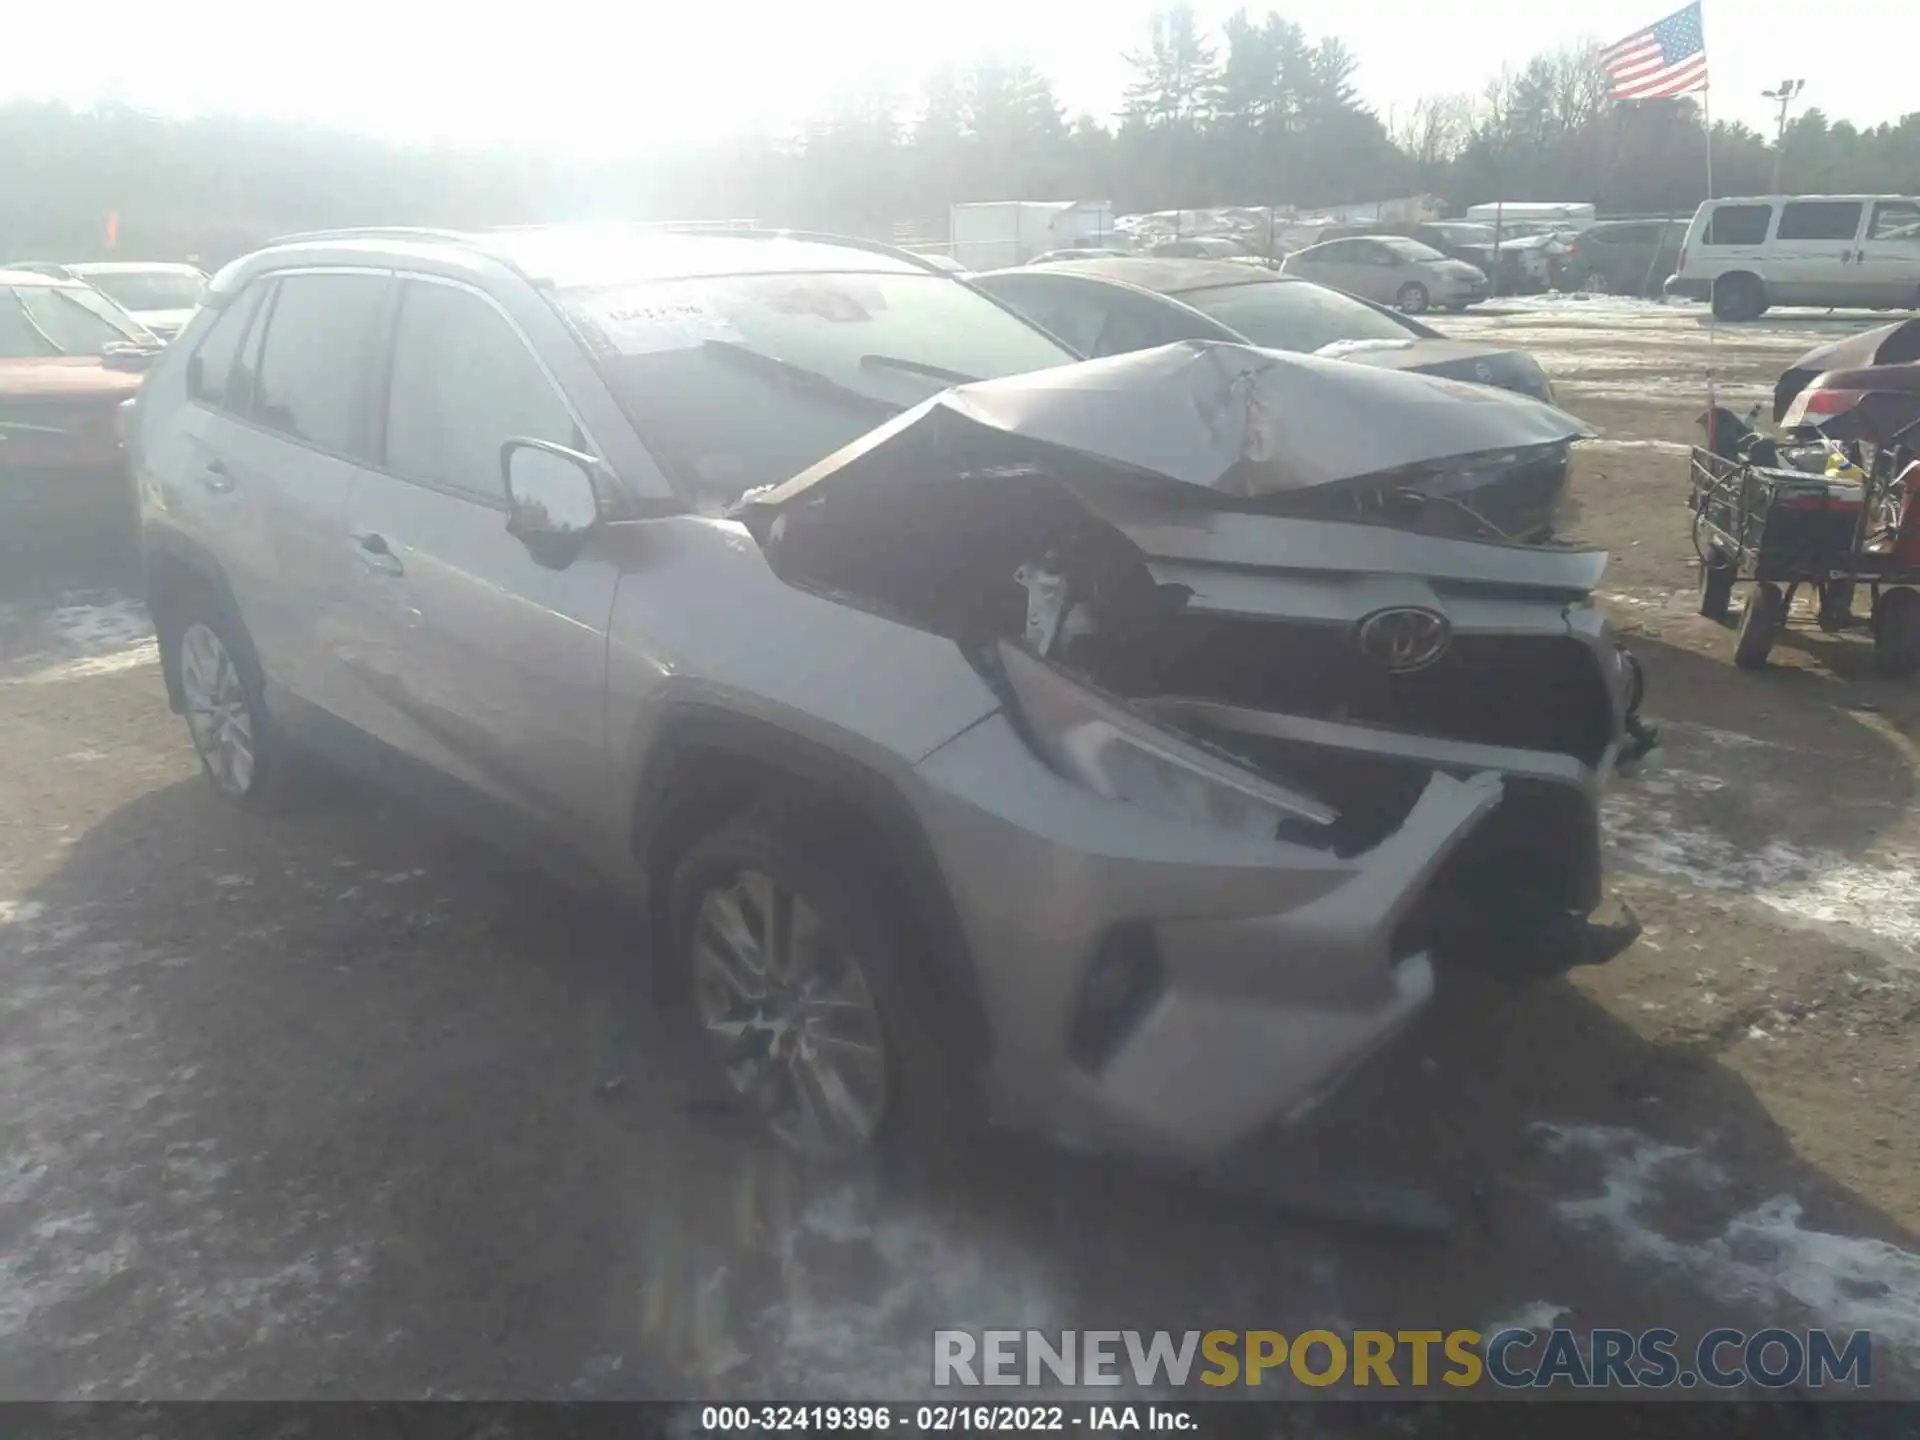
(1260, 113)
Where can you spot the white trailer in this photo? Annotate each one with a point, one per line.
(994, 234)
(1560, 214)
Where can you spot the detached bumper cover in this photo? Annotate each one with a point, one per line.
(1278, 966)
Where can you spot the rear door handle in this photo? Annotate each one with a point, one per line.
(376, 554)
(214, 476)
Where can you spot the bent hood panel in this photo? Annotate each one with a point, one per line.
(1232, 419)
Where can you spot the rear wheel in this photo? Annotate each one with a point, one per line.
(1896, 633)
(1717, 574)
(1739, 297)
(221, 692)
(1760, 625)
(1412, 299)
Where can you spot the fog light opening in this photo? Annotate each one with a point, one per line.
(1123, 980)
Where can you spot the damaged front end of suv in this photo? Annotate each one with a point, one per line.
(1311, 740)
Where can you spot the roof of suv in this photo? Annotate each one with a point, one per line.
(566, 256)
(34, 277)
(1167, 275)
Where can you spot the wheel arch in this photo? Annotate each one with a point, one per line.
(706, 765)
(177, 571)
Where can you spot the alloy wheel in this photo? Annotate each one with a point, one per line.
(217, 711)
(789, 1015)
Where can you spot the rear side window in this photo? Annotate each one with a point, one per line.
(211, 371)
(1819, 220)
(1896, 220)
(1738, 225)
(313, 361)
(464, 383)
(1058, 306)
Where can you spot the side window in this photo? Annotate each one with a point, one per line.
(1819, 220)
(1056, 306)
(1339, 252)
(1897, 220)
(314, 358)
(464, 383)
(1384, 256)
(1738, 225)
(211, 370)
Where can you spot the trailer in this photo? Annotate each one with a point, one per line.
(1562, 215)
(994, 234)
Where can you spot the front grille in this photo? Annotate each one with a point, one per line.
(1531, 692)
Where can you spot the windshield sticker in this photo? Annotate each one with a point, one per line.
(837, 300)
(636, 326)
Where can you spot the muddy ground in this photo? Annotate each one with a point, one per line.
(342, 1105)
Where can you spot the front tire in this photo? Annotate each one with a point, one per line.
(1760, 625)
(1739, 297)
(1412, 299)
(222, 698)
(797, 970)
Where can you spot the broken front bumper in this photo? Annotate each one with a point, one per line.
(1163, 987)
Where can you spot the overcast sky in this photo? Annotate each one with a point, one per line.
(590, 77)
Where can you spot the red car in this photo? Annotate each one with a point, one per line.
(68, 358)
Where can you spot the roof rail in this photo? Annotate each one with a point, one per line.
(815, 237)
(377, 232)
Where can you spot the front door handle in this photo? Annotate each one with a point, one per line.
(376, 554)
(214, 476)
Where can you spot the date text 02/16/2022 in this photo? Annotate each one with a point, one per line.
(944, 1419)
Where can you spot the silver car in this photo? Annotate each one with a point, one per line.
(1020, 749)
(1391, 270)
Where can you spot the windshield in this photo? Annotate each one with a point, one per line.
(1411, 249)
(1293, 315)
(149, 289)
(741, 381)
(40, 320)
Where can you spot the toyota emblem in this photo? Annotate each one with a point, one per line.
(1403, 638)
(1483, 372)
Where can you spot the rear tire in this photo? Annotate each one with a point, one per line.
(1739, 297)
(1717, 575)
(223, 701)
(798, 973)
(1896, 634)
(1760, 625)
(1412, 299)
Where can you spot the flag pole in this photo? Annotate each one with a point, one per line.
(1713, 321)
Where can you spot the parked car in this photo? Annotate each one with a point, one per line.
(1456, 239)
(1198, 247)
(160, 296)
(1084, 252)
(68, 359)
(1109, 307)
(1042, 746)
(1628, 257)
(1391, 270)
(1748, 253)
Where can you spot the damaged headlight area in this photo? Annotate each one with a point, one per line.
(1115, 753)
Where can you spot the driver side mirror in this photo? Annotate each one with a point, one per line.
(552, 502)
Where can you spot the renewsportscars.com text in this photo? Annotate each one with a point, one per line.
(1511, 1359)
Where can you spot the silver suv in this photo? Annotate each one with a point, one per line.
(946, 793)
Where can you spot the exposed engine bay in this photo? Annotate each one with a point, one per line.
(1342, 661)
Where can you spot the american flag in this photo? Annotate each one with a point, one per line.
(1669, 58)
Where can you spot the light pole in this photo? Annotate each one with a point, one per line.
(1785, 94)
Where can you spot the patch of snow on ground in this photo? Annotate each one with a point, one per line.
(1882, 897)
(1762, 1255)
(114, 1198)
(1535, 1315)
(87, 633)
(1663, 447)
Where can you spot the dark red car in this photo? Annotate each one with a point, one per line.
(68, 358)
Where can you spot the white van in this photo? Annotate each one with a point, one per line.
(1750, 252)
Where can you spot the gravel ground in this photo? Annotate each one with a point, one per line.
(340, 1105)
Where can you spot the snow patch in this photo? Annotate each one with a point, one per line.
(1882, 898)
(1763, 1255)
(1535, 1315)
(1663, 447)
(87, 633)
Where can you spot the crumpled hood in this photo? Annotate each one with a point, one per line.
(1236, 420)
